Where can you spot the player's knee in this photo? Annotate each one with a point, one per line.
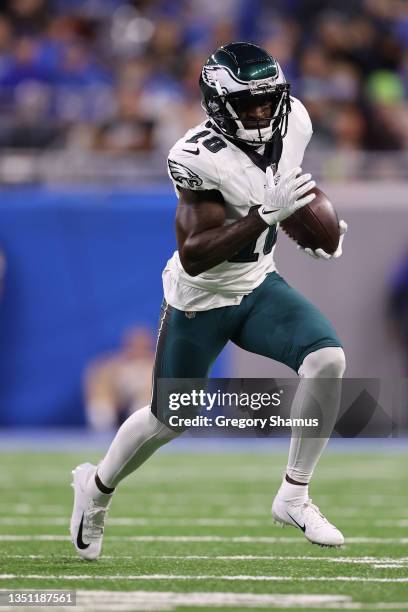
(161, 431)
(166, 434)
(328, 362)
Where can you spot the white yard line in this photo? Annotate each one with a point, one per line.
(171, 600)
(232, 539)
(168, 600)
(385, 562)
(388, 566)
(253, 539)
(376, 562)
(139, 522)
(176, 521)
(192, 577)
(131, 601)
(35, 557)
(33, 538)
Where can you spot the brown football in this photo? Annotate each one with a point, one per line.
(315, 225)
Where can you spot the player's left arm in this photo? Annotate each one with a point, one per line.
(321, 254)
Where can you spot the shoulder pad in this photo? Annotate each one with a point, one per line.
(192, 162)
(300, 118)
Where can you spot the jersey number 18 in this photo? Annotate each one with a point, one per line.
(248, 253)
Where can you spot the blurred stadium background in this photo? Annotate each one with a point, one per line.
(92, 95)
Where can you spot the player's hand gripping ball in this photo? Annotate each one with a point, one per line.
(316, 228)
(286, 195)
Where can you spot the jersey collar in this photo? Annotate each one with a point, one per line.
(271, 155)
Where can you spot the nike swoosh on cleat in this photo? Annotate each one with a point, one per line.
(80, 543)
(196, 152)
(298, 524)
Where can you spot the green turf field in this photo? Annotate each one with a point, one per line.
(193, 531)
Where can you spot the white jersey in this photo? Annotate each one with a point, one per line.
(205, 160)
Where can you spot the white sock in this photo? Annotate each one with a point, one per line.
(100, 498)
(136, 440)
(320, 385)
(293, 493)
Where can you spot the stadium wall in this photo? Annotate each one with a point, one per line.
(82, 267)
(84, 264)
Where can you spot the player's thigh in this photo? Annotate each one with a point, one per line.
(187, 346)
(283, 325)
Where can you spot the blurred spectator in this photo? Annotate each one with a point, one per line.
(30, 127)
(387, 112)
(6, 37)
(28, 16)
(25, 64)
(116, 385)
(348, 127)
(129, 130)
(122, 76)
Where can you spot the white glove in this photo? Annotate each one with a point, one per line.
(320, 254)
(284, 198)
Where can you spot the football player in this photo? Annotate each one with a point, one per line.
(236, 175)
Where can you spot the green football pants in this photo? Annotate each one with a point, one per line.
(274, 320)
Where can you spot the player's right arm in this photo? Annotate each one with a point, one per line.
(203, 239)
